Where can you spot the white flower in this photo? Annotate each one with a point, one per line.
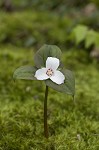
(51, 72)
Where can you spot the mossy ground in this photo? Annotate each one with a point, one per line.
(72, 125)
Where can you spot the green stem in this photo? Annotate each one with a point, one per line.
(45, 113)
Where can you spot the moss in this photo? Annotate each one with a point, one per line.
(71, 125)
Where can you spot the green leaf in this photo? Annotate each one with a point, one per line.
(44, 52)
(25, 72)
(97, 40)
(90, 38)
(80, 33)
(67, 87)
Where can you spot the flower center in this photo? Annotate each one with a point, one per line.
(49, 72)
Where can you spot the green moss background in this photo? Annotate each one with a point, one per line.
(73, 125)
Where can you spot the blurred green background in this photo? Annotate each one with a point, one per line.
(25, 25)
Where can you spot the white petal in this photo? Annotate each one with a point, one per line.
(58, 77)
(41, 74)
(52, 63)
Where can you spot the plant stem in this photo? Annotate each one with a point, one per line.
(45, 113)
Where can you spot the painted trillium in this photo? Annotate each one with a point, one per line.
(51, 72)
(46, 67)
(48, 56)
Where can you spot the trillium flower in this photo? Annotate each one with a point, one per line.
(51, 72)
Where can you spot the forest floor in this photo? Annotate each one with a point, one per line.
(72, 125)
